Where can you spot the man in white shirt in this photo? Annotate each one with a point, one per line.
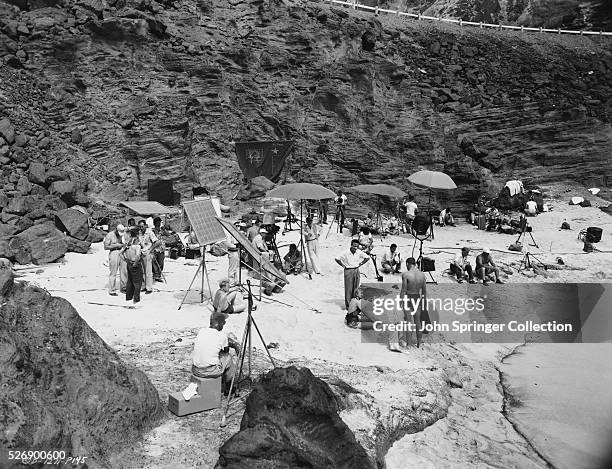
(350, 261)
(211, 355)
(391, 262)
(260, 244)
(461, 266)
(113, 243)
(411, 209)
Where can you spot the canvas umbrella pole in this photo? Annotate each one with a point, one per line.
(300, 191)
(380, 190)
(303, 247)
(432, 180)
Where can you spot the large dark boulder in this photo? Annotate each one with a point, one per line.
(39, 244)
(291, 420)
(61, 385)
(73, 222)
(77, 245)
(95, 236)
(256, 187)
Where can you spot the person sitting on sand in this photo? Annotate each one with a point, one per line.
(293, 260)
(393, 226)
(391, 260)
(446, 217)
(366, 241)
(370, 223)
(356, 317)
(211, 354)
(485, 267)
(531, 207)
(461, 266)
(228, 300)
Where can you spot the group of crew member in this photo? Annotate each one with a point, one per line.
(137, 254)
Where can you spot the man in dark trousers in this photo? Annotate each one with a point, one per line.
(132, 253)
(158, 250)
(350, 261)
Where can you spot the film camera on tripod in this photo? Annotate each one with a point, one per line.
(270, 240)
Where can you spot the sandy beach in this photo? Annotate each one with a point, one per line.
(311, 332)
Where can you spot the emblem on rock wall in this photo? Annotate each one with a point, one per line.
(255, 156)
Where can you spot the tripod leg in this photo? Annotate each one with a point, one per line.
(264, 343)
(189, 287)
(534, 241)
(238, 372)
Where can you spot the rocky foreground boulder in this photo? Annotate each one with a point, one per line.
(61, 386)
(291, 420)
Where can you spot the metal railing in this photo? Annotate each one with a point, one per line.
(354, 5)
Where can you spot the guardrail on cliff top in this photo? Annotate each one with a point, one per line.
(354, 5)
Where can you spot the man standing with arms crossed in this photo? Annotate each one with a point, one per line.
(350, 261)
(414, 296)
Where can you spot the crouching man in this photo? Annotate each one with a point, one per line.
(211, 354)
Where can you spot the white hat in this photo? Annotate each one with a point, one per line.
(487, 250)
(224, 281)
(120, 228)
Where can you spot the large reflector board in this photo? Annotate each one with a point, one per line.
(202, 215)
(248, 247)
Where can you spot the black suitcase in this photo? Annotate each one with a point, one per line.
(594, 233)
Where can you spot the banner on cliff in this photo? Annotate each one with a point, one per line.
(263, 158)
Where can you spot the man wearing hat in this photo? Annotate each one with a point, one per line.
(113, 242)
(211, 354)
(259, 243)
(461, 266)
(485, 267)
(228, 299)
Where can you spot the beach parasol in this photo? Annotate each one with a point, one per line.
(432, 180)
(301, 191)
(380, 190)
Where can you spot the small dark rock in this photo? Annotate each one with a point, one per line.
(7, 131)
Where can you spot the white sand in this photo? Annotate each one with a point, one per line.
(305, 334)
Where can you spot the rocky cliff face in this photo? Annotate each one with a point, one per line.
(595, 15)
(117, 92)
(61, 386)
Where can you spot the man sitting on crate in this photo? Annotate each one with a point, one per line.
(211, 354)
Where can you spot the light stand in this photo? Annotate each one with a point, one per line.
(302, 245)
(528, 261)
(522, 235)
(420, 260)
(246, 351)
(289, 220)
(201, 267)
(338, 217)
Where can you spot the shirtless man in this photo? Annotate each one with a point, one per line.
(413, 288)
